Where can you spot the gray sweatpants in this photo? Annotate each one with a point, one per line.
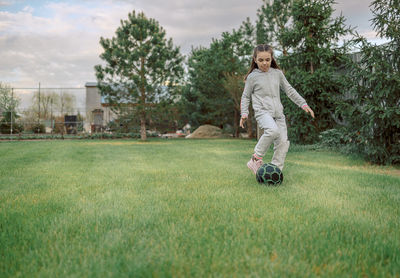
(275, 131)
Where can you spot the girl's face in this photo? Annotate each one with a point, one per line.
(263, 60)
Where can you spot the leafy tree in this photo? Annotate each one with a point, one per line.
(66, 103)
(46, 104)
(8, 102)
(8, 109)
(233, 83)
(312, 66)
(372, 111)
(140, 65)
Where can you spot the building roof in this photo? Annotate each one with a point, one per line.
(91, 84)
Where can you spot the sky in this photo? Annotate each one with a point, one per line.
(56, 43)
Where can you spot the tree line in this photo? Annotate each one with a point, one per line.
(356, 101)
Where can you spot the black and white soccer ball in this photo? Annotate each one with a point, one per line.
(269, 174)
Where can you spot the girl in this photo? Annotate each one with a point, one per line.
(263, 84)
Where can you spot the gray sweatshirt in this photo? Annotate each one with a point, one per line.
(264, 90)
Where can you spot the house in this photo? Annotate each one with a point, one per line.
(98, 113)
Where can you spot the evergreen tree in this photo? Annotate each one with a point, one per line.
(204, 94)
(312, 67)
(140, 64)
(210, 97)
(272, 21)
(373, 110)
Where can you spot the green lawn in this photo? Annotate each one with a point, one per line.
(179, 208)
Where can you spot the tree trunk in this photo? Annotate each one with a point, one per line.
(310, 35)
(250, 124)
(236, 124)
(285, 53)
(143, 135)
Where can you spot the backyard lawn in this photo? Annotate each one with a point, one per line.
(191, 208)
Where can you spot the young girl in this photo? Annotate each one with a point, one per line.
(263, 84)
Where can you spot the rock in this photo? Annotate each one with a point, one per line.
(207, 131)
(244, 135)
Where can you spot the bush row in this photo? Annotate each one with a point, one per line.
(81, 136)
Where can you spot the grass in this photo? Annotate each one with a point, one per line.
(179, 208)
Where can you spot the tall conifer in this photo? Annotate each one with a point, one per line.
(140, 64)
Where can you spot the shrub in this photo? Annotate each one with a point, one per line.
(5, 128)
(38, 128)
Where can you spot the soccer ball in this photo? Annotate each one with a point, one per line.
(269, 174)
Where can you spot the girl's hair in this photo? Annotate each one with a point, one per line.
(261, 48)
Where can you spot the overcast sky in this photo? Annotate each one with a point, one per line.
(57, 42)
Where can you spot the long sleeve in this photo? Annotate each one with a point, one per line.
(245, 101)
(291, 92)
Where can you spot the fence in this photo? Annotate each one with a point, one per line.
(44, 110)
(74, 111)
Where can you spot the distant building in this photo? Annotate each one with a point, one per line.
(98, 113)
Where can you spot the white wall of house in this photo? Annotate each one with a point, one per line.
(93, 102)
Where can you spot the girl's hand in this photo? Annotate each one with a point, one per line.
(308, 110)
(243, 119)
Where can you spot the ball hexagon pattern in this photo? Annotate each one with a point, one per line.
(269, 174)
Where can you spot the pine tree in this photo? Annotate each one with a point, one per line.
(139, 65)
(210, 94)
(373, 111)
(272, 21)
(312, 66)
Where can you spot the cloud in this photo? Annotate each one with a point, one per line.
(356, 12)
(58, 50)
(61, 46)
(57, 42)
(22, 23)
(196, 22)
(28, 9)
(5, 3)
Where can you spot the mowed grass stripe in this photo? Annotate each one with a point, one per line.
(192, 208)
